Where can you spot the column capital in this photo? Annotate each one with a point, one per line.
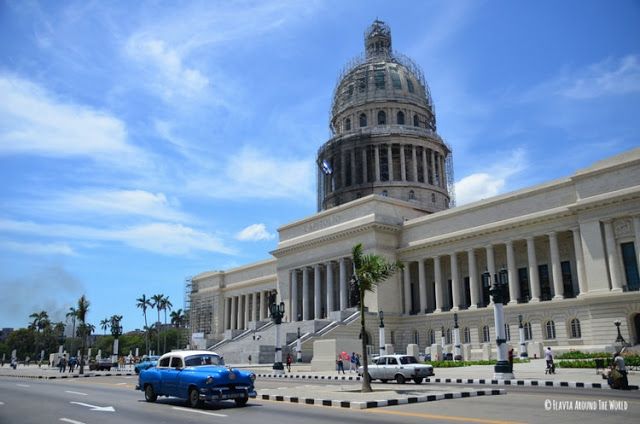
(552, 234)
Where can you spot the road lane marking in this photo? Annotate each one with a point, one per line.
(67, 420)
(1, 403)
(441, 417)
(95, 407)
(121, 384)
(75, 393)
(199, 412)
(23, 385)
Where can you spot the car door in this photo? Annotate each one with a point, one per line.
(375, 369)
(391, 368)
(170, 377)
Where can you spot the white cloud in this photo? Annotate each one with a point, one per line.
(163, 238)
(254, 232)
(38, 248)
(252, 174)
(34, 122)
(609, 77)
(482, 185)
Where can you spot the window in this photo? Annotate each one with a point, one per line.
(378, 77)
(410, 86)
(412, 195)
(363, 120)
(350, 90)
(574, 330)
(630, 266)
(447, 337)
(507, 332)
(527, 331)
(395, 80)
(416, 121)
(567, 280)
(416, 337)
(347, 124)
(466, 335)
(486, 336)
(176, 363)
(550, 330)
(545, 284)
(400, 118)
(392, 361)
(164, 362)
(432, 337)
(382, 118)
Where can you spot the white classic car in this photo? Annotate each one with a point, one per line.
(399, 368)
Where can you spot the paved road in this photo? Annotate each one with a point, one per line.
(73, 401)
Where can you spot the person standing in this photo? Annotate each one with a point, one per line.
(340, 364)
(289, 362)
(548, 356)
(618, 364)
(352, 362)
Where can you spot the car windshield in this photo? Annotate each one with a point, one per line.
(408, 360)
(200, 360)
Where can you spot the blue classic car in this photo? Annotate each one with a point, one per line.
(196, 376)
(147, 362)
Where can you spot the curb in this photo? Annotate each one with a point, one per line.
(60, 377)
(381, 403)
(311, 377)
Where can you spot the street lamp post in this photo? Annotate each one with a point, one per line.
(503, 370)
(277, 312)
(381, 333)
(620, 341)
(299, 347)
(457, 356)
(523, 344)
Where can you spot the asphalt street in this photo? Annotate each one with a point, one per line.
(114, 400)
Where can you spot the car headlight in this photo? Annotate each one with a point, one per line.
(209, 380)
(252, 377)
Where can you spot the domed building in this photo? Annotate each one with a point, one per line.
(567, 251)
(384, 140)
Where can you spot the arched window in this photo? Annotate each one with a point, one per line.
(363, 120)
(527, 331)
(575, 332)
(447, 337)
(466, 335)
(412, 195)
(410, 86)
(416, 121)
(432, 336)
(382, 118)
(486, 336)
(550, 330)
(416, 337)
(347, 124)
(507, 332)
(400, 118)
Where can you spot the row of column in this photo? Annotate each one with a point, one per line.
(514, 287)
(241, 309)
(304, 273)
(433, 165)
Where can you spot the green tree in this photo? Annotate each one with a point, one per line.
(143, 303)
(84, 329)
(23, 341)
(370, 271)
(104, 324)
(40, 320)
(156, 302)
(165, 304)
(178, 320)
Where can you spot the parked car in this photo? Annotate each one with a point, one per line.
(399, 368)
(102, 364)
(147, 362)
(196, 376)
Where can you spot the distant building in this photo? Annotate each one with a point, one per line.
(569, 247)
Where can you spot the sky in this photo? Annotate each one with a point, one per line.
(142, 143)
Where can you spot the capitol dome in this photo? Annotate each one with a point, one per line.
(384, 138)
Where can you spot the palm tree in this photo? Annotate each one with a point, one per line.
(165, 304)
(40, 320)
(156, 302)
(370, 271)
(104, 324)
(144, 303)
(81, 314)
(73, 314)
(177, 318)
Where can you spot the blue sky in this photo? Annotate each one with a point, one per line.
(145, 142)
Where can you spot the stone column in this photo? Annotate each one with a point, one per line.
(414, 165)
(556, 271)
(443, 174)
(376, 155)
(512, 274)
(317, 292)
(433, 167)
(246, 311)
(422, 282)
(612, 253)
(365, 165)
(240, 312)
(577, 247)
(437, 274)
(491, 267)
(343, 171)
(329, 271)
(403, 164)
(344, 295)
(227, 310)
(353, 166)
(294, 295)
(305, 293)
(261, 307)
(254, 305)
(473, 278)
(533, 270)
(425, 168)
(390, 161)
(407, 289)
(233, 317)
(455, 282)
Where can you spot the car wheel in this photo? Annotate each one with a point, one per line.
(194, 398)
(418, 380)
(242, 401)
(400, 379)
(150, 394)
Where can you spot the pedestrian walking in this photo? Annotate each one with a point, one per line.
(548, 356)
(340, 364)
(289, 362)
(620, 381)
(352, 362)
